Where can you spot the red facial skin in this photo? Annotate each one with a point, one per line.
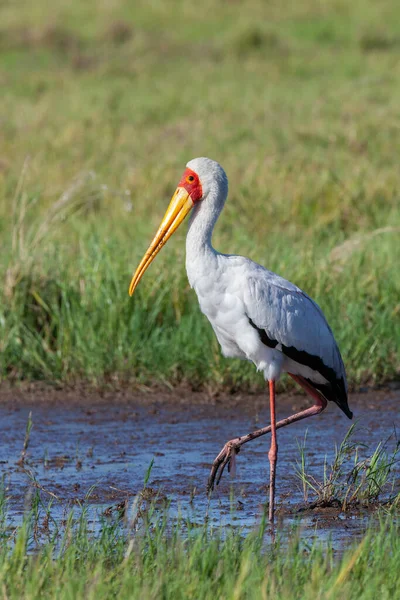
(192, 186)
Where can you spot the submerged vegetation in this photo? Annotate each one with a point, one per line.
(356, 477)
(156, 559)
(147, 541)
(142, 547)
(103, 105)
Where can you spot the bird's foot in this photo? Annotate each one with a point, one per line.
(227, 456)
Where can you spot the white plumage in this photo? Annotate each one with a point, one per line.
(240, 298)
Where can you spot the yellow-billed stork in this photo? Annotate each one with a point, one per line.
(256, 315)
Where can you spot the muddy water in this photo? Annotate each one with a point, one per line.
(96, 451)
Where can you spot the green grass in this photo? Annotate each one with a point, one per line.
(157, 560)
(102, 106)
(357, 477)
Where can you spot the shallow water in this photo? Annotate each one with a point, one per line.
(108, 446)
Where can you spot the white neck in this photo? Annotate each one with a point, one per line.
(200, 255)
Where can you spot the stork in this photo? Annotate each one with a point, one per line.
(256, 314)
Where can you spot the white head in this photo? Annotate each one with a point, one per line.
(212, 177)
(203, 180)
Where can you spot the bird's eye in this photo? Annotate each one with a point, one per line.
(190, 178)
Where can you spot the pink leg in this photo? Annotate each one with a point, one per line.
(231, 448)
(273, 452)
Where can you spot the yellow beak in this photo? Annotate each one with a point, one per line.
(180, 205)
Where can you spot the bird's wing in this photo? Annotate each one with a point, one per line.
(292, 322)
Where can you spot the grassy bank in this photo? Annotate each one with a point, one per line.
(103, 105)
(154, 562)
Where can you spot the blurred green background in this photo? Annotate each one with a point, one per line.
(102, 105)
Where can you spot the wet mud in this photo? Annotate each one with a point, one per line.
(94, 450)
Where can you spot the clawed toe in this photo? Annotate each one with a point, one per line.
(225, 457)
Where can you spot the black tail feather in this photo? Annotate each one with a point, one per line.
(334, 392)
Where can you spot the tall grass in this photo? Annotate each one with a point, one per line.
(159, 561)
(102, 107)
